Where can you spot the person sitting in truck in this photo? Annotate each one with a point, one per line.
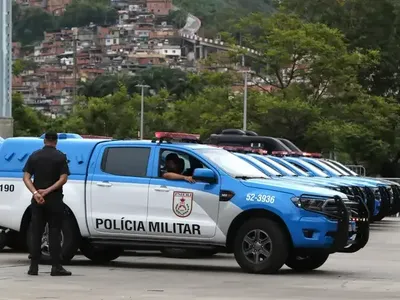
(172, 168)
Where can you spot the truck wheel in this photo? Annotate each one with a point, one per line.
(305, 263)
(187, 253)
(3, 240)
(100, 254)
(70, 239)
(261, 246)
(16, 241)
(378, 217)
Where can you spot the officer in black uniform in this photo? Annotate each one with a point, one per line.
(49, 167)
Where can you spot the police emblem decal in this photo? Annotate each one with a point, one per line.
(182, 204)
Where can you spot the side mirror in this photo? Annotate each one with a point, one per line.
(205, 175)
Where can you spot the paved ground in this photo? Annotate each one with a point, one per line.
(372, 273)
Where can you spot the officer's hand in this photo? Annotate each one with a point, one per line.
(190, 179)
(38, 198)
(44, 192)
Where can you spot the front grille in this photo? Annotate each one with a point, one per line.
(385, 195)
(396, 198)
(370, 194)
(333, 211)
(359, 192)
(346, 190)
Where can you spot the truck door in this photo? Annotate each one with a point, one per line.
(119, 185)
(178, 208)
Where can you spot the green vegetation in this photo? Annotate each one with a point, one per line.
(219, 15)
(333, 64)
(30, 23)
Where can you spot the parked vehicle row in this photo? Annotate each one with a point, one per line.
(288, 161)
(116, 198)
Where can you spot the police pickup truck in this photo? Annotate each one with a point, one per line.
(116, 199)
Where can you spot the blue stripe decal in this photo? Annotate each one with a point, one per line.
(20, 175)
(199, 186)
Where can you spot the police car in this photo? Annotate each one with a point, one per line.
(116, 199)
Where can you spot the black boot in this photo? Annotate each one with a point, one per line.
(33, 269)
(59, 271)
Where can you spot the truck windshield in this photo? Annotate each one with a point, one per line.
(343, 167)
(280, 167)
(344, 173)
(231, 164)
(264, 167)
(325, 168)
(310, 167)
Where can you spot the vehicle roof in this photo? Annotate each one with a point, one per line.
(14, 152)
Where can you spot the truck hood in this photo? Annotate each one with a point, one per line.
(380, 180)
(296, 189)
(347, 181)
(363, 180)
(303, 181)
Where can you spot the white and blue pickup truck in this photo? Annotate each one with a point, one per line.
(117, 199)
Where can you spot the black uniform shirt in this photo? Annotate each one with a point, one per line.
(46, 166)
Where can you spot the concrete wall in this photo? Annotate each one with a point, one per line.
(6, 127)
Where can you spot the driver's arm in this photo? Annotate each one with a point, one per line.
(173, 176)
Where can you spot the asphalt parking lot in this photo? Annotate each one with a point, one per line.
(372, 273)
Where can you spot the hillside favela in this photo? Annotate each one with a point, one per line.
(199, 149)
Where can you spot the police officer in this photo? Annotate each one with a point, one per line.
(173, 168)
(49, 167)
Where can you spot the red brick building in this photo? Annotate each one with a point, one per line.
(159, 7)
(55, 7)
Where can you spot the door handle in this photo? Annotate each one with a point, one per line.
(162, 189)
(105, 184)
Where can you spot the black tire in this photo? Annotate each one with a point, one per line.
(304, 263)
(3, 240)
(377, 218)
(277, 247)
(100, 254)
(16, 241)
(187, 253)
(72, 240)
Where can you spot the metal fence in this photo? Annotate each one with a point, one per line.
(359, 169)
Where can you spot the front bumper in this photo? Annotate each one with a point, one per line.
(342, 227)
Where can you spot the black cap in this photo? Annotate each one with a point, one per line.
(172, 156)
(51, 136)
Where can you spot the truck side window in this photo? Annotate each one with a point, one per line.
(189, 162)
(126, 161)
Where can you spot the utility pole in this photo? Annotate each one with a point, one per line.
(245, 73)
(6, 119)
(142, 86)
(75, 50)
(75, 71)
(245, 103)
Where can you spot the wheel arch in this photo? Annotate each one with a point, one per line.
(254, 213)
(26, 218)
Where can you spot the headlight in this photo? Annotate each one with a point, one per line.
(309, 203)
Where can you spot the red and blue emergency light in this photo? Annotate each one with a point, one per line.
(296, 154)
(177, 136)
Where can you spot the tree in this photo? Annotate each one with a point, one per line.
(30, 23)
(82, 12)
(178, 18)
(310, 55)
(20, 65)
(366, 24)
(27, 121)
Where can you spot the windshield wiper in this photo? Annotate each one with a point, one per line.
(250, 177)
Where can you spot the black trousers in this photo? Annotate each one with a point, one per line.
(51, 213)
